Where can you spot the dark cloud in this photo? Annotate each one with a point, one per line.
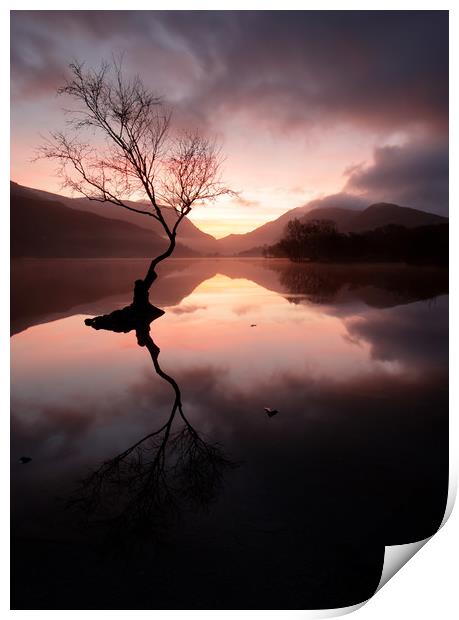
(56, 431)
(379, 71)
(400, 334)
(413, 175)
(342, 200)
(383, 69)
(36, 68)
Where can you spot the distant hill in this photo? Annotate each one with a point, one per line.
(148, 233)
(271, 232)
(383, 214)
(46, 228)
(346, 220)
(190, 235)
(268, 234)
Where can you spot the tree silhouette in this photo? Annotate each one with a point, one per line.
(140, 490)
(139, 155)
(319, 240)
(304, 240)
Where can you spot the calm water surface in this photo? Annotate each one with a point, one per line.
(249, 511)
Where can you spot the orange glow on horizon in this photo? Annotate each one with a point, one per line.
(219, 228)
(270, 176)
(217, 329)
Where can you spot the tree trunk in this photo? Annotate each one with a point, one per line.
(142, 287)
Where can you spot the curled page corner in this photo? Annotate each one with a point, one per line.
(396, 556)
(452, 493)
(332, 613)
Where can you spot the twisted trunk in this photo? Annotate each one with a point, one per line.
(142, 287)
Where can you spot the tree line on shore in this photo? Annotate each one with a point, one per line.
(319, 240)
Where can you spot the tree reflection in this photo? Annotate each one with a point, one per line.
(144, 487)
(396, 284)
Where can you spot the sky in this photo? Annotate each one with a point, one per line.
(338, 108)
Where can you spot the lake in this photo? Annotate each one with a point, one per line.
(194, 497)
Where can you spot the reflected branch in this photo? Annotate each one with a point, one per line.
(378, 285)
(141, 489)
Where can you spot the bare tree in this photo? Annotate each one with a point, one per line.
(173, 467)
(139, 156)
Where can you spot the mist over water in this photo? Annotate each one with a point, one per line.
(354, 359)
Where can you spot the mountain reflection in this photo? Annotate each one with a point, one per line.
(150, 482)
(380, 285)
(40, 294)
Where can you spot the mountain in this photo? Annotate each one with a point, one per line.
(190, 235)
(346, 220)
(383, 214)
(268, 233)
(47, 228)
(148, 231)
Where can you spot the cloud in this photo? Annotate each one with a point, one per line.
(245, 202)
(385, 69)
(56, 431)
(400, 334)
(36, 68)
(244, 309)
(342, 200)
(413, 175)
(189, 309)
(272, 85)
(290, 69)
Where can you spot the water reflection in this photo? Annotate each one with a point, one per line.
(377, 285)
(40, 293)
(356, 459)
(142, 488)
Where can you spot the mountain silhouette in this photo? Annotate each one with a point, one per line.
(346, 220)
(45, 225)
(383, 214)
(190, 235)
(47, 228)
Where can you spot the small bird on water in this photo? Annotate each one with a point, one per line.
(270, 412)
(25, 459)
